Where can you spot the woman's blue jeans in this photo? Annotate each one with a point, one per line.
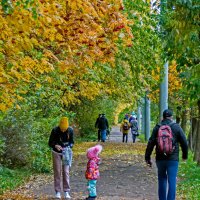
(167, 173)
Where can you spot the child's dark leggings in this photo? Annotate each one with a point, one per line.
(125, 137)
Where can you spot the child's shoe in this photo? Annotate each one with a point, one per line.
(90, 198)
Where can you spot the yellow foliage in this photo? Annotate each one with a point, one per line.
(67, 36)
(174, 82)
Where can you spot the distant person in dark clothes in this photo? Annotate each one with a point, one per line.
(96, 126)
(167, 165)
(134, 128)
(103, 126)
(130, 118)
(126, 116)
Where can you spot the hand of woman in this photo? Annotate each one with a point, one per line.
(58, 147)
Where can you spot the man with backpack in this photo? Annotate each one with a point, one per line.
(124, 129)
(167, 136)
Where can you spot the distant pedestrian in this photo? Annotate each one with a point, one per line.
(134, 128)
(126, 116)
(130, 118)
(167, 154)
(124, 128)
(103, 126)
(61, 141)
(97, 126)
(92, 172)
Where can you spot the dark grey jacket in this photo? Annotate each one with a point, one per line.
(179, 138)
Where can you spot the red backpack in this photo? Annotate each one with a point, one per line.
(165, 139)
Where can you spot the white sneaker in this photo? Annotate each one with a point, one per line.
(58, 195)
(66, 195)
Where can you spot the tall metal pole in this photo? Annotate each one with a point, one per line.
(164, 78)
(147, 118)
(164, 91)
(139, 116)
(143, 116)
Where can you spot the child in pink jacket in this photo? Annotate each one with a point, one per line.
(92, 171)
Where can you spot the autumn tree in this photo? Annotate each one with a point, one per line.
(63, 37)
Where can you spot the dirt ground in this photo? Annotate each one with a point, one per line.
(124, 177)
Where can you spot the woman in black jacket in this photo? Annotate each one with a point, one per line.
(61, 138)
(167, 165)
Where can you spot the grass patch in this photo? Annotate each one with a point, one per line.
(10, 179)
(110, 149)
(189, 180)
(141, 137)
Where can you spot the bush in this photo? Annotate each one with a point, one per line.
(10, 179)
(2, 147)
(24, 138)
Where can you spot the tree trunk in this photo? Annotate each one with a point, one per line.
(178, 114)
(193, 135)
(184, 120)
(196, 139)
(198, 104)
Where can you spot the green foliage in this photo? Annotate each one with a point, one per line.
(144, 55)
(41, 153)
(10, 179)
(141, 137)
(30, 126)
(155, 113)
(88, 111)
(122, 114)
(2, 147)
(189, 179)
(182, 44)
(7, 6)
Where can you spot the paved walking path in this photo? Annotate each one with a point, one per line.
(116, 135)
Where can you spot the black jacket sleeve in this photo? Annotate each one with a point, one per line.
(53, 139)
(151, 144)
(183, 143)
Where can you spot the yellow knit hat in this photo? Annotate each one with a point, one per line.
(64, 124)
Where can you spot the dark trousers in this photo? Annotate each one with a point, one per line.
(99, 135)
(134, 134)
(125, 137)
(134, 137)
